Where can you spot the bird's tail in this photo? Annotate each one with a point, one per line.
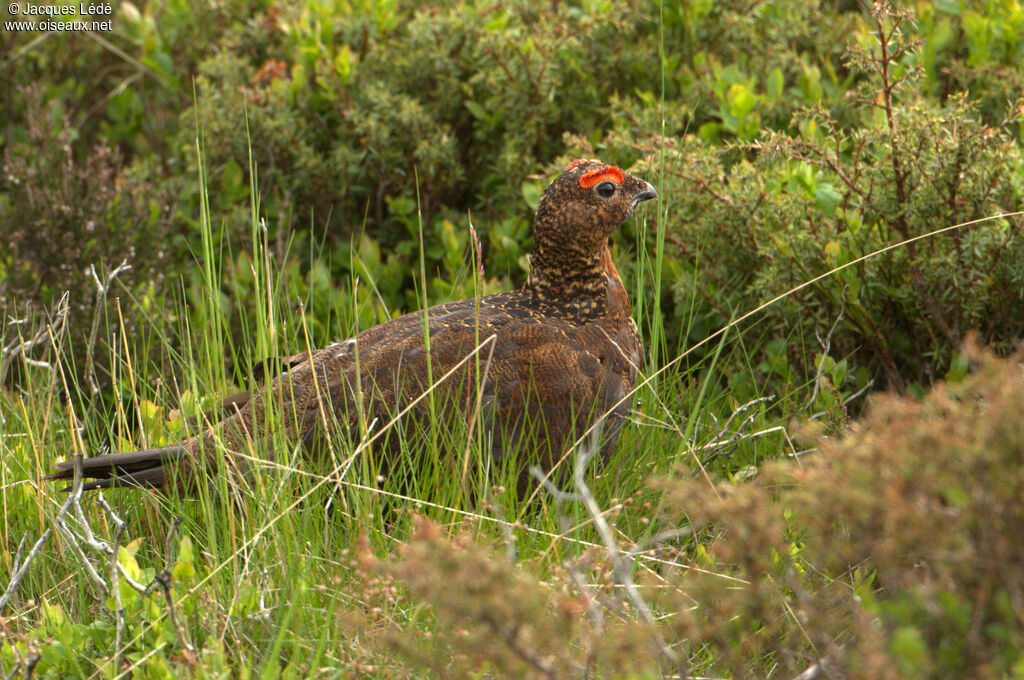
(149, 467)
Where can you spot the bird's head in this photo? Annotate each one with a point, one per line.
(583, 206)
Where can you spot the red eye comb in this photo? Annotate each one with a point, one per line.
(608, 173)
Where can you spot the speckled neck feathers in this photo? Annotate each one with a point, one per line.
(577, 288)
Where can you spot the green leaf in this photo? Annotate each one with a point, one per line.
(741, 100)
(531, 193)
(478, 111)
(369, 254)
(183, 570)
(775, 84)
(916, 391)
(343, 63)
(710, 132)
(827, 198)
(127, 559)
(955, 496)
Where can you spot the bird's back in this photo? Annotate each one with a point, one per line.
(538, 377)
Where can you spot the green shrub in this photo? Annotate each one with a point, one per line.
(450, 107)
(125, 90)
(89, 178)
(741, 66)
(748, 223)
(973, 47)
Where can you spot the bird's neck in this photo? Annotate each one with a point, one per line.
(577, 286)
(564, 274)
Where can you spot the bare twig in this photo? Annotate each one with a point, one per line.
(30, 667)
(20, 347)
(847, 400)
(560, 496)
(112, 571)
(169, 542)
(826, 345)
(20, 570)
(660, 537)
(17, 555)
(116, 572)
(89, 539)
(813, 672)
(716, 445)
(102, 289)
(73, 499)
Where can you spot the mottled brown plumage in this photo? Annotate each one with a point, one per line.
(557, 354)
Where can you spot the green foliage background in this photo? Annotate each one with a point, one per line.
(782, 146)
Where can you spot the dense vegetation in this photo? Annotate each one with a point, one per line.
(212, 184)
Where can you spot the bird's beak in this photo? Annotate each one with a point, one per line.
(647, 194)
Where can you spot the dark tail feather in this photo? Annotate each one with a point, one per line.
(135, 468)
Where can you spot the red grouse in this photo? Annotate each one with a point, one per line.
(555, 356)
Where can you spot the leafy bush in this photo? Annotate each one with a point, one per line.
(126, 90)
(350, 139)
(353, 113)
(843, 180)
(973, 47)
(740, 66)
(67, 647)
(88, 174)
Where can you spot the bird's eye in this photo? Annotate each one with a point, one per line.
(605, 189)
